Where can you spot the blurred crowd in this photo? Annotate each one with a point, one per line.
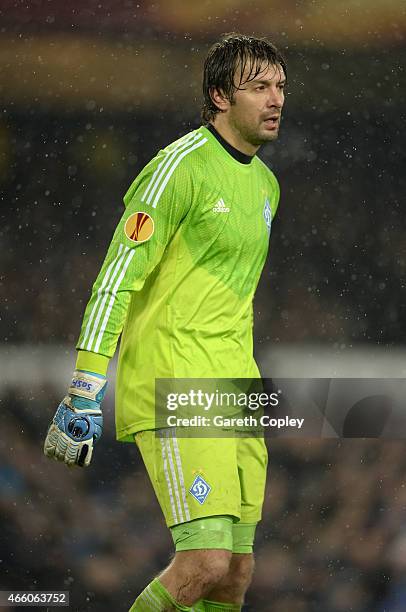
(332, 539)
(337, 256)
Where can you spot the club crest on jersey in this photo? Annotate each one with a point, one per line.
(139, 227)
(268, 214)
(200, 489)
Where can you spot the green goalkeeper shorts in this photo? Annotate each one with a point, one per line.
(195, 478)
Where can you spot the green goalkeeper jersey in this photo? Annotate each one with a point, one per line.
(180, 274)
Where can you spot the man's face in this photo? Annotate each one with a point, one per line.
(255, 111)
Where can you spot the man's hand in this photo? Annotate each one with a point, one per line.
(78, 421)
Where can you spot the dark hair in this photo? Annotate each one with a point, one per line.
(229, 57)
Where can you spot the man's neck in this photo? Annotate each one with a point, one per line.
(233, 137)
(238, 155)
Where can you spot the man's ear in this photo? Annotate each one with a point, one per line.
(219, 99)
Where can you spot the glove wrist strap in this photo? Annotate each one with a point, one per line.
(87, 385)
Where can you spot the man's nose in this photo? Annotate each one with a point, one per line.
(276, 98)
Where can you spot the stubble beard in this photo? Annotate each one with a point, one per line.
(259, 137)
(253, 135)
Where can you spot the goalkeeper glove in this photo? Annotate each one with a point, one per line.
(78, 421)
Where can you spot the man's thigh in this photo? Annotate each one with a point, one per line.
(194, 478)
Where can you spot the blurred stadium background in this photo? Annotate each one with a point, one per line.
(90, 91)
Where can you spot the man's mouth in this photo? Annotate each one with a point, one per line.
(272, 121)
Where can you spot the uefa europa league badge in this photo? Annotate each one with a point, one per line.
(139, 227)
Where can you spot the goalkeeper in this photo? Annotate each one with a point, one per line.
(177, 284)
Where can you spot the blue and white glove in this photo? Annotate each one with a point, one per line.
(78, 421)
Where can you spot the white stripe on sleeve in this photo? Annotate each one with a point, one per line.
(99, 295)
(168, 162)
(173, 168)
(162, 165)
(106, 292)
(112, 299)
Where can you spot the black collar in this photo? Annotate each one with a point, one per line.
(238, 155)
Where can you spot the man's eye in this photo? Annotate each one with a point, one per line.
(260, 88)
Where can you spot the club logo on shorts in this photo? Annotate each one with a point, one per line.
(200, 489)
(139, 227)
(268, 214)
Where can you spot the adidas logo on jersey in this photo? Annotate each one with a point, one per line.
(221, 207)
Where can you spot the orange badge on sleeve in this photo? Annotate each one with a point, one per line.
(139, 227)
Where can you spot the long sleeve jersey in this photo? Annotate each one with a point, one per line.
(180, 274)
